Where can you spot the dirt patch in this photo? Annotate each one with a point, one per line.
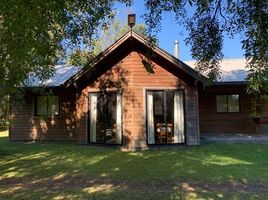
(62, 183)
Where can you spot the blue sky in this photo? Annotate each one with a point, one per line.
(171, 31)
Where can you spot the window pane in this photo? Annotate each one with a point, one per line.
(159, 117)
(233, 103)
(162, 116)
(170, 116)
(110, 122)
(100, 131)
(106, 123)
(53, 105)
(41, 105)
(221, 102)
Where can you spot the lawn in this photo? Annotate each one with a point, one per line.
(68, 171)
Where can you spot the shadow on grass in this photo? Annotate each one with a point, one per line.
(65, 170)
(80, 194)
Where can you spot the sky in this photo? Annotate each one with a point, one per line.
(171, 31)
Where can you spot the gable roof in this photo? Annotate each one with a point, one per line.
(233, 70)
(65, 75)
(131, 35)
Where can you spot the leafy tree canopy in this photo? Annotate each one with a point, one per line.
(206, 25)
(34, 32)
(106, 37)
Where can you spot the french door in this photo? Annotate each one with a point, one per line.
(105, 118)
(165, 116)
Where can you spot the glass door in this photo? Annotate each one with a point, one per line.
(159, 117)
(165, 117)
(105, 118)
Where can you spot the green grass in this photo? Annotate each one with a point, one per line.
(68, 171)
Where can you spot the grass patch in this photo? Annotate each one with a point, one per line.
(76, 172)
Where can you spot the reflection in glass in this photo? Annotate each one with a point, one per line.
(161, 110)
(221, 101)
(233, 103)
(108, 118)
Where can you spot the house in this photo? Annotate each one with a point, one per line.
(230, 88)
(118, 101)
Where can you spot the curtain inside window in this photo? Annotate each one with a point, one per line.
(93, 116)
(118, 136)
(178, 117)
(150, 118)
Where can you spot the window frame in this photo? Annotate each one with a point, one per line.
(47, 103)
(228, 112)
(88, 119)
(184, 113)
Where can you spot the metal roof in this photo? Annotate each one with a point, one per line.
(61, 75)
(232, 70)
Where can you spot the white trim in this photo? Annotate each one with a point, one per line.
(86, 122)
(118, 136)
(150, 118)
(179, 117)
(93, 116)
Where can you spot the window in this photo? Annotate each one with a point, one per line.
(227, 103)
(47, 105)
(165, 116)
(105, 118)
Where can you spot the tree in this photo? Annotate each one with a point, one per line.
(33, 32)
(105, 38)
(206, 26)
(80, 57)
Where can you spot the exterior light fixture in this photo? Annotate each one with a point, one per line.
(131, 20)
